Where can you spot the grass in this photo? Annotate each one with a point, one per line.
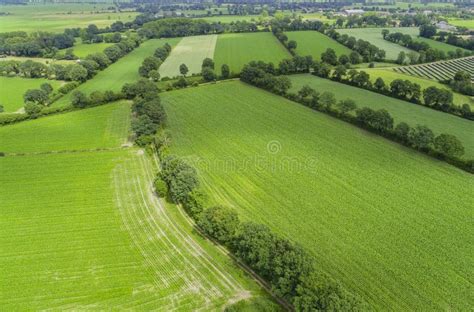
(125, 70)
(83, 229)
(190, 51)
(374, 36)
(315, 43)
(469, 23)
(236, 50)
(412, 114)
(12, 90)
(388, 75)
(388, 222)
(37, 59)
(227, 19)
(56, 17)
(104, 126)
(82, 50)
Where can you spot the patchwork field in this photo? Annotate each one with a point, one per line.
(12, 90)
(382, 219)
(190, 51)
(400, 110)
(442, 70)
(83, 229)
(315, 43)
(389, 74)
(374, 36)
(125, 70)
(57, 17)
(236, 50)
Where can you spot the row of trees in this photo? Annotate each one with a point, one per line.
(447, 147)
(425, 52)
(151, 64)
(287, 267)
(20, 43)
(366, 50)
(462, 83)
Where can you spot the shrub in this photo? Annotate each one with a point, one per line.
(161, 188)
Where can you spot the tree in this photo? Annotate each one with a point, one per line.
(154, 75)
(344, 59)
(76, 72)
(346, 106)
(449, 145)
(401, 58)
(100, 58)
(161, 188)
(113, 53)
(149, 63)
(208, 74)
(402, 130)
(143, 126)
(79, 99)
(355, 57)
(207, 62)
(385, 32)
(36, 96)
(436, 97)
(225, 71)
(339, 72)
(33, 109)
(220, 223)
(180, 177)
(292, 45)
(1, 109)
(329, 56)
(421, 137)
(183, 69)
(46, 87)
(427, 30)
(327, 99)
(380, 84)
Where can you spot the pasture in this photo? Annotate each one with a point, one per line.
(81, 50)
(469, 23)
(442, 70)
(410, 113)
(382, 219)
(389, 74)
(12, 90)
(104, 126)
(315, 43)
(125, 70)
(190, 51)
(239, 49)
(57, 17)
(374, 36)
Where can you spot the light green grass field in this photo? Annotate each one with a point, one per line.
(386, 221)
(400, 110)
(125, 70)
(104, 126)
(37, 59)
(190, 51)
(374, 36)
(236, 50)
(12, 90)
(462, 22)
(57, 17)
(81, 50)
(315, 43)
(226, 19)
(388, 75)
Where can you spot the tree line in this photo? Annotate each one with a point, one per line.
(445, 146)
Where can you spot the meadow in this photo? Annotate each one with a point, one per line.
(469, 23)
(389, 74)
(410, 113)
(57, 17)
(125, 70)
(84, 230)
(82, 50)
(190, 51)
(374, 36)
(12, 90)
(380, 218)
(239, 49)
(315, 43)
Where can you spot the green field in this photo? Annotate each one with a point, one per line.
(469, 23)
(374, 36)
(190, 51)
(236, 50)
(104, 126)
(12, 90)
(57, 17)
(315, 43)
(382, 219)
(125, 70)
(388, 75)
(412, 114)
(83, 229)
(82, 50)
(226, 19)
